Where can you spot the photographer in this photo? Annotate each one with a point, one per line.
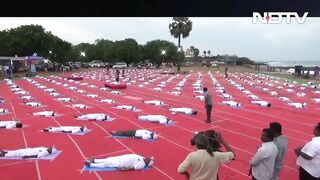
(206, 160)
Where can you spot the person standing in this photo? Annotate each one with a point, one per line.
(282, 145)
(207, 104)
(226, 71)
(262, 163)
(117, 75)
(309, 157)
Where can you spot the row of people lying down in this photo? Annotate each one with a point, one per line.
(263, 104)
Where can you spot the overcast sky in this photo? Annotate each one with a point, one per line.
(260, 42)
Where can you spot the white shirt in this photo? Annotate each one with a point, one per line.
(21, 92)
(26, 97)
(49, 90)
(253, 96)
(54, 94)
(297, 105)
(65, 99)
(115, 92)
(2, 111)
(144, 134)
(125, 161)
(284, 99)
(312, 149)
(261, 103)
(231, 103)
(8, 124)
(109, 101)
(38, 151)
(175, 93)
(181, 110)
(316, 100)
(273, 93)
(81, 106)
(263, 161)
(126, 107)
(44, 113)
(200, 97)
(33, 104)
(154, 102)
(155, 118)
(73, 129)
(81, 91)
(94, 116)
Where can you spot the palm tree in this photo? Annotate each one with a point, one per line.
(204, 53)
(180, 26)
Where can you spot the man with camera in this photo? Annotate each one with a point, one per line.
(205, 162)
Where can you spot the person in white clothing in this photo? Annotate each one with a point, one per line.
(10, 124)
(262, 163)
(316, 100)
(155, 119)
(21, 92)
(200, 97)
(92, 95)
(115, 92)
(184, 111)
(36, 152)
(94, 117)
(262, 103)
(66, 129)
(108, 101)
(54, 94)
(65, 99)
(3, 111)
(254, 97)
(226, 96)
(138, 134)
(298, 105)
(284, 98)
(126, 107)
(123, 162)
(26, 97)
(44, 113)
(231, 103)
(177, 93)
(33, 104)
(309, 157)
(154, 102)
(50, 90)
(80, 106)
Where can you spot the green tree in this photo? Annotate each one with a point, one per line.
(152, 51)
(180, 26)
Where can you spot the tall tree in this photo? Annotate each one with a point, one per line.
(180, 26)
(209, 52)
(204, 53)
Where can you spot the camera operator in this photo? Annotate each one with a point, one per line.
(205, 161)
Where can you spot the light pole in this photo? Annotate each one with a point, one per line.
(163, 53)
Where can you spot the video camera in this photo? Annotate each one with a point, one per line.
(212, 137)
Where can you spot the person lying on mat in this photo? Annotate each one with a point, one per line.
(10, 124)
(21, 92)
(54, 94)
(177, 93)
(92, 95)
(16, 89)
(115, 92)
(231, 103)
(316, 100)
(262, 103)
(3, 111)
(138, 134)
(66, 129)
(254, 97)
(94, 117)
(155, 119)
(81, 91)
(36, 152)
(282, 98)
(44, 113)
(226, 96)
(126, 107)
(65, 99)
(50, 90)
(123, 162)
(183, 110)
(109, 101)
(33, 104)
(200, 97)
(26, 97)
(298, 105)
(81, 106)
(154, 102)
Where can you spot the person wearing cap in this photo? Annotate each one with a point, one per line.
(36, 152)
(183, 110)
(138, 134)
(154, 102)
(44, 113)
(94, 117)
(262, 103)
(155, 119)
(66, 129)
(10, 124)
(122, 162)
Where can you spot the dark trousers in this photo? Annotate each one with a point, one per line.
(208, 109)
(253, 178)
(130, 133)
(117, 79)
(304, 175)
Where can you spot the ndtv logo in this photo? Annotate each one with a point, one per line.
(276, 17)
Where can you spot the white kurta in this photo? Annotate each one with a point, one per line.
(261, 103)
(26, 97)
(154, 102)
(297, 105)
(126, 107)
(94, 116)
(109, 101)
(80, 106)
(3, 111)
(154, 118)
(231, 103)
(181, 110)
(8, 124)
(144, 134)
(44, 113)
(33, 104)
(73, 129)
(125, 161)
(38, 151)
